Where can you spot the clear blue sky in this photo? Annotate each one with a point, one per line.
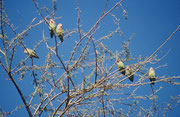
(152, 22)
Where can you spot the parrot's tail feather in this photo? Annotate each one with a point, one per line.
(51, 35)
(61, 38)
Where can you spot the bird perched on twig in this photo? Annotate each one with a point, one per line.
(52, 27)
(31, 53)
(120, 66)
(129, 73)
(60, 32)
(151, 75)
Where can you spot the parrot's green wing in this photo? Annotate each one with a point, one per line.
(151, 75)
(52, 27)
(61, 35)
(32, 53)
(131, 78)
(129, 74)
(120, 66)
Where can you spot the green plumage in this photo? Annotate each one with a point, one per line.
(51, 33)
(60, 32)
(151, 75)
(31, 53)
(129, 73)
(120, 66)
(52, 27)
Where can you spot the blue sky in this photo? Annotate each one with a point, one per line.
(152, 22)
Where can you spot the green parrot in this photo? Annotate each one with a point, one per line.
(31, 53)
(52, 27)
(120, 66)
(60, 32)
(129, 73)
(151, 75)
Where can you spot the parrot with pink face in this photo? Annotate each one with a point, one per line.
(60, 32)
(151, 75)
(31, 53)
(52, 27)
(129, 73)
(120, 66)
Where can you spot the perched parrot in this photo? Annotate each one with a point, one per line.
(151, 75)
(60, 32)
(120, 66)
(31, 53)
(129, 73)
(52, 27)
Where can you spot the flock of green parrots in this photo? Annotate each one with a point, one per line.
(129, 73)
(53, 29)
(120, 65)
(59, 30)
